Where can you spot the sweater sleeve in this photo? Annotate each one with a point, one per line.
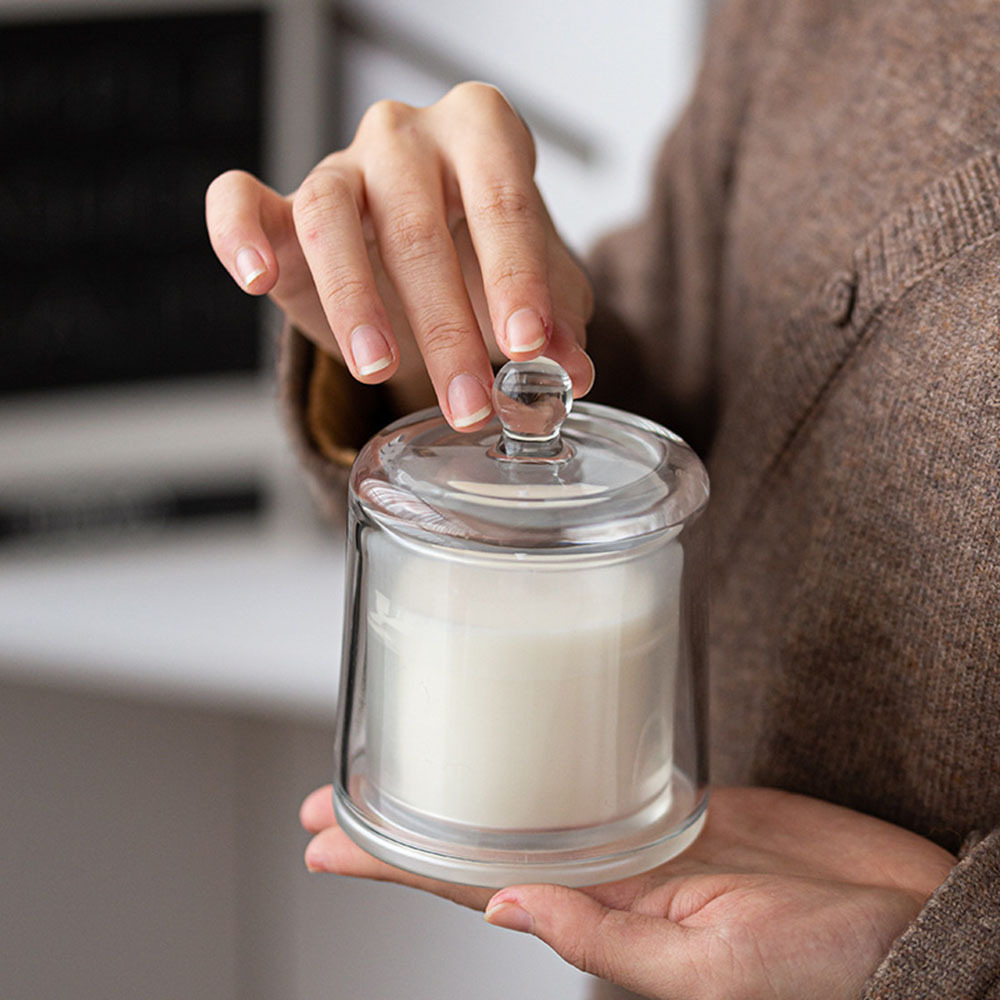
(952, 950)
(328, 415)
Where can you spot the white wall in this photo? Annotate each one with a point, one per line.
(613, 75)
(153, 852)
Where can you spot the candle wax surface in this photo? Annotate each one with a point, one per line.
(520, 691)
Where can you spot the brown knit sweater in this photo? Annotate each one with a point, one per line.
(813, 299)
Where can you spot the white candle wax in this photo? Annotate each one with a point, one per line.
(521, 692)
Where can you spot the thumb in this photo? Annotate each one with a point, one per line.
(646, 954)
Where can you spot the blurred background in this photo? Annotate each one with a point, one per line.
(169, 604)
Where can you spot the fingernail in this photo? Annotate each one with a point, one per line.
(370, 350)
(510, 916)
(249, 266)
(525, 331)
(467, 401)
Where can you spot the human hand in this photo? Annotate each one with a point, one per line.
(425, 237)
(782, 897)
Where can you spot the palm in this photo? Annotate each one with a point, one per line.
(773, 935)
(781, 896)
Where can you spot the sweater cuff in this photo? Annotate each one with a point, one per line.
(328, 415)
(950, 952)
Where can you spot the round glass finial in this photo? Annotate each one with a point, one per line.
(532, 399)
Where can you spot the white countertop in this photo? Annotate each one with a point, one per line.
(234, 617)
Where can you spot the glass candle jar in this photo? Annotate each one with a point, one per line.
(522, 691)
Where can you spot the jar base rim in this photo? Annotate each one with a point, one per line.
(451, 863)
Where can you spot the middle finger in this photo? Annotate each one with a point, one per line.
(405, 200)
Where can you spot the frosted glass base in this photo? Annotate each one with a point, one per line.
(494, 859)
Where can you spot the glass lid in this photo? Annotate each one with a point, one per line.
(541, 474)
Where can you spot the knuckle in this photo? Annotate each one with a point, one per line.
(343, 287)
(439, 337)
(505, 204)
(486, 104)
(514, 274)
(318, 194)
(385, 116)
(482, 97)
(411, 234)
(486, 107)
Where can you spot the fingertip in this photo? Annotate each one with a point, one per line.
(316, 812)
(372, 355)
(526, 333)
(316, 859)
(333, 852)
(581, 372)
(237, 210)
(468, 402)
(565, 348)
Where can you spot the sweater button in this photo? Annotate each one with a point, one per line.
(837, 297)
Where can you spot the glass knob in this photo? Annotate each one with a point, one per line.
(531, 400)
